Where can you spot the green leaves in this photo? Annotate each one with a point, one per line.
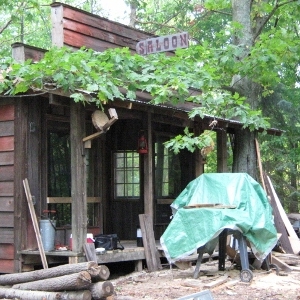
(191, 75)
(189, 141)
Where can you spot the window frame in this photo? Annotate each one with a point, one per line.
(129, 171)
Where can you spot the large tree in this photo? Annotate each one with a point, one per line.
(241, 50)
(257, 39)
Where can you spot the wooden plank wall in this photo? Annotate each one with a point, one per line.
(21, 52)
(7, 115)
(76, 28)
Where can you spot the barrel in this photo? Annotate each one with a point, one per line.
(47, 228)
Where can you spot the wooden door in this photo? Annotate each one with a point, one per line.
(125, 183)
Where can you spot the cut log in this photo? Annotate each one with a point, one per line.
(10, 279)
(103, 273)
(38, 295)
(101, 290)
(76, 281)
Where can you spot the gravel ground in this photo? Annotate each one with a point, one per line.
(174, 283)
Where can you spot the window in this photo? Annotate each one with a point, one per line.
(59, 178)
(59, 174)
(127, 174)
(167, 171)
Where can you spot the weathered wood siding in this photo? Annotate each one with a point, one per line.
(7, 116)
(22, 52)
(76, 28)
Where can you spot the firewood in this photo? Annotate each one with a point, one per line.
(76, 281)
(38, 295)
(101, 290)
(10, 279)
(103, 273)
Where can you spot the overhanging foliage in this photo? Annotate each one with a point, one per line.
(97, 77)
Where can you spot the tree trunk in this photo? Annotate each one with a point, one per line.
(132, 17)
(77, 281)
(101, 290)
(244, 153)
(10, 279)
(38, 295)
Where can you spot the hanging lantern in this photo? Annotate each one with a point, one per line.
(142, 143)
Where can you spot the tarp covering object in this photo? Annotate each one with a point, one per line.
(192, 228)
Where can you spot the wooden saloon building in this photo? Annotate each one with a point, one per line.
(94, 185)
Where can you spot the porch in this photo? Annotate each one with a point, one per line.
(131, 253)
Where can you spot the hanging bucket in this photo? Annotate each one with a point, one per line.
(47, 228)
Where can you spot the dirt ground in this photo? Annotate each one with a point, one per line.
(175, 283)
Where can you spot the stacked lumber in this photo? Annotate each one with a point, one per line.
(82, 281)
(288, 237)
(289, 240)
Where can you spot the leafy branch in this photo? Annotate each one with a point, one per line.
(99, 77)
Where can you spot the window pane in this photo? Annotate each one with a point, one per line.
(136, 176)
(167, 171)
(120, 177)
(120, 162)
(120, 190)
(127, 174)
(136, 190)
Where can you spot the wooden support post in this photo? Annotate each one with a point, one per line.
(199, 161)
(222, 151)
(148, 181)
(138, 265)
(78, 179)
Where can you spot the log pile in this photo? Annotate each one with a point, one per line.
(82, 281)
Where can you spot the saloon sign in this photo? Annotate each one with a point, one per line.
(163, 43)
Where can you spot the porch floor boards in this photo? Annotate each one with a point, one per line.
(130, 253)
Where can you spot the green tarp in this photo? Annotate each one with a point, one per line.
(192, 228)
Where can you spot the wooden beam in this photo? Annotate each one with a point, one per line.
(104, 129)
(21, 52)
(294, 240)
(165, 201)
(78, 178)
(222, 151)
(279, 224)
(148, 171)
(281, 264)
(199, 160)
(53, 200)
(57, 25)
(151, 252)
